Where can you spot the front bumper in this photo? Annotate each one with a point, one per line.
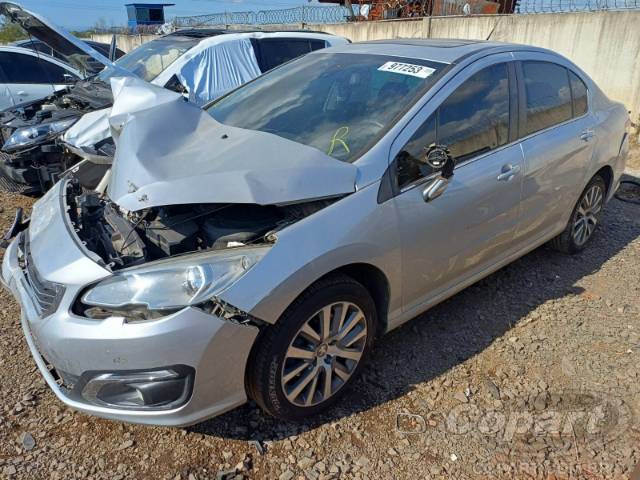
(216, 349)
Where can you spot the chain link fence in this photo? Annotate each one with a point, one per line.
(559, 6)
(302, 14)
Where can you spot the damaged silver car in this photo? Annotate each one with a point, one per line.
(258, 248)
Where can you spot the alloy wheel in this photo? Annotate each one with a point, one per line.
(324, 353)
(586, 218)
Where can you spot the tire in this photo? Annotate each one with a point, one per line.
(267, 382)
(569, 241)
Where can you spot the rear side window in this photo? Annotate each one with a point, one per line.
(548, 95)
(579, 93)
(272, 52)
(19, 68)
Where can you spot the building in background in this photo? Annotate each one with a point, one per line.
(146, 14)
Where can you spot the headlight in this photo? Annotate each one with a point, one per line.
(31, 135)
(148, 292)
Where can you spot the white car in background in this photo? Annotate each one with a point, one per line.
(27, 75)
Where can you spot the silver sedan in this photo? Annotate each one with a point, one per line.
(257, 248)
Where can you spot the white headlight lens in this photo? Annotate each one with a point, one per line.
(173, 284)
(28, 135)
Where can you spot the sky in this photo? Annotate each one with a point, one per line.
(80, 14)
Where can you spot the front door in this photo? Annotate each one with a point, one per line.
(472, 225)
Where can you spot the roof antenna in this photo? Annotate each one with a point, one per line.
(493, 29)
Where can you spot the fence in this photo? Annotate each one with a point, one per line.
(302, 14)
(436, 8)
(559, 6)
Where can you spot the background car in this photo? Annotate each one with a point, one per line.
(26, 75)
(259, 247)
(39, 45)
(201, 63)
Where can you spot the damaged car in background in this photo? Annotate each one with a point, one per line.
(259, 247)
(202, 64)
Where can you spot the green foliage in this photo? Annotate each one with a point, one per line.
(10, 32)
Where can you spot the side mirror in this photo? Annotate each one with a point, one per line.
(439, 158)
(175, 86)
(69, 79)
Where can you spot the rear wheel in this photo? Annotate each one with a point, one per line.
(303, 364)
(584, 219)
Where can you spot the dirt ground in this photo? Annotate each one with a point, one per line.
(532, 373)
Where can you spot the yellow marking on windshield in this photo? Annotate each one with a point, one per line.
(339, 138)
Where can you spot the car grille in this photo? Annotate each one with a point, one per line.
(47, 295)
(7, 184)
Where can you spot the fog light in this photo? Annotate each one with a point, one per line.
(140, 390)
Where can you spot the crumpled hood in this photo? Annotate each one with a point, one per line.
(170, 152)
(75, 51)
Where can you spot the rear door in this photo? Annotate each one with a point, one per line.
(472, 225)
(30, 77)
(558, 141)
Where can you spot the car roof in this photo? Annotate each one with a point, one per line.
(438, 50)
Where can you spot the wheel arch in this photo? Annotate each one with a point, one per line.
(606, 173)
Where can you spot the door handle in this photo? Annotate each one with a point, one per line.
(586, 135)
(22, 93)
(508, 172)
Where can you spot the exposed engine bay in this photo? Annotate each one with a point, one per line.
(123, 239)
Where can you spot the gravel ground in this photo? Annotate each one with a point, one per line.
(531, 373)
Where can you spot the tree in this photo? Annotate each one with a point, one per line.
(10, 32)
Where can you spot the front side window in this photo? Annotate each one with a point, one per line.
(150, 59)
(340, 104)
(548, 95)
(473, 120)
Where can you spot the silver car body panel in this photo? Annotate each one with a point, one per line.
(160, 162)
(425, 251)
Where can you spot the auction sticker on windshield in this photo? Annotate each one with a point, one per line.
(419, 71)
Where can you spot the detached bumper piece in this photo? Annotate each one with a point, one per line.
(17, 226)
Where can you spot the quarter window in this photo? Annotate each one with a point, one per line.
(472, 121)
(548, 95)
(579, 92)
(276, 51)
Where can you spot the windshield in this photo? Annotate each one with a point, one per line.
(152, 58)
(338, 103)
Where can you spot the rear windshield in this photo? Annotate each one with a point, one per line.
(150, 59)
(338, 103)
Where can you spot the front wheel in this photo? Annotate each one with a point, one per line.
(584, 219)
(303, 364)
